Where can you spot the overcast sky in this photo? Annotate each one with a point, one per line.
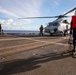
(11, 10)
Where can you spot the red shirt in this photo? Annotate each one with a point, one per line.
(73, 22)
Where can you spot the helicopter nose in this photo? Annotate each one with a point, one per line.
(55, 29)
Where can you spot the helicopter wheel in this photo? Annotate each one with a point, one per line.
(51, 34)
(65, 33)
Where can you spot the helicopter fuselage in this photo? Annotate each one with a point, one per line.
(57, 27)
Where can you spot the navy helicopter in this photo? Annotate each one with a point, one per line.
(57, 26)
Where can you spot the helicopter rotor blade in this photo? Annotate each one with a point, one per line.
(69, 11)
(38, 17)
(62, 16)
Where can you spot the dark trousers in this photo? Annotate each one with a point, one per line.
(74, 38)
(41, 33)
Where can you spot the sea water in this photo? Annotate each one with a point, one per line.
(21, 32)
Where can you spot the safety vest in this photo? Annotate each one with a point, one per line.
(73, 22)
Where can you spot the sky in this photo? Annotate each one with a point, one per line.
(11, 10)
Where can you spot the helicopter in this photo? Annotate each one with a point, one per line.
(58, 26)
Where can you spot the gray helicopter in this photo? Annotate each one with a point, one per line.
(58, 26)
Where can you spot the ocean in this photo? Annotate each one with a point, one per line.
(20, 32)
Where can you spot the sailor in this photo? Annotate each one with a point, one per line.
(73, 30)
(41, 30)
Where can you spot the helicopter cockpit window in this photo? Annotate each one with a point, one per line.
(50, 24)
(55, 24)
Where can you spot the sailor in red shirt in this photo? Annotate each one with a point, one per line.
(73, 28)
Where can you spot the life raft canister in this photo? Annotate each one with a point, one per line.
(73, 22)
